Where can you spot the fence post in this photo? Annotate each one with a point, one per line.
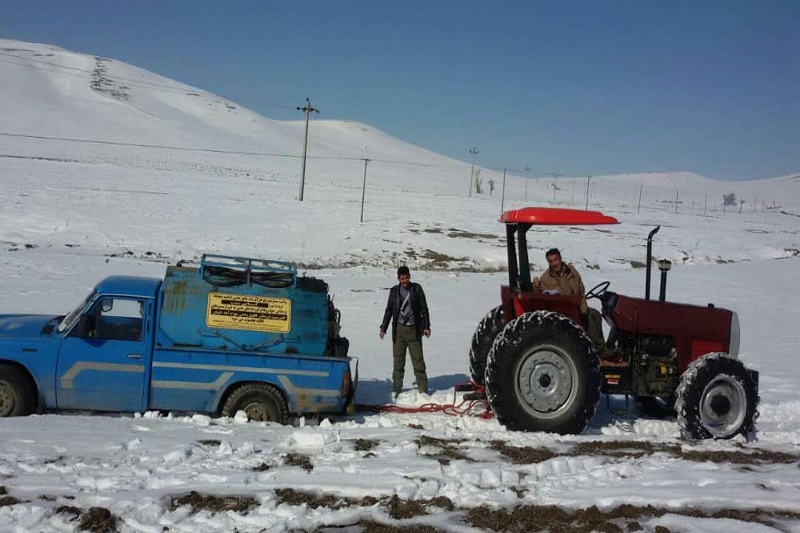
(639, 205)
(588, 181)
(363, 189)
(503, 194)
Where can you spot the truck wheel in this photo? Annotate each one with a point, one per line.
(482, 341)
(717, 399)
(260, 402)
(542, 375)
(16, 392)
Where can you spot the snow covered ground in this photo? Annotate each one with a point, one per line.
(72, 212)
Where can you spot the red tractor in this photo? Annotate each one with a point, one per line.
(541, 372)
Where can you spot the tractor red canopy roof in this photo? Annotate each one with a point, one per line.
(555, 216)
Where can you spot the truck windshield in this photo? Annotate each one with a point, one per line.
(70, 319)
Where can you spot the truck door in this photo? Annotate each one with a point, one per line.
(101, 362)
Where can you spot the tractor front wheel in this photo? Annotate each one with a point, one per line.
(717, 398)
(483, 338)
(542, 375)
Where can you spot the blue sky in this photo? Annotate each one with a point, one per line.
(573, 88)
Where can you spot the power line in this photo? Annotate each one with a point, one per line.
(144, 145)
(214, 150)
(527, 170)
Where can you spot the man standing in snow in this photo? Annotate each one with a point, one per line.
(408, 310)
(562, 278)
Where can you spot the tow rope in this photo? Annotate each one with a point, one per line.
(472, 404)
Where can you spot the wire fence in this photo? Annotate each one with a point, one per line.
(371, 176)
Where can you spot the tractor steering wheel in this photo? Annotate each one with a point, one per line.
(598, 290)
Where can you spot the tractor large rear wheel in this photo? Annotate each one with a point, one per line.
(542, 375)
(483, 338)
(717, 398)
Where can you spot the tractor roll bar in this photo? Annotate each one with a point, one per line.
(525, 266)
(519, 272)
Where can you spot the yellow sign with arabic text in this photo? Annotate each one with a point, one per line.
(252, 313)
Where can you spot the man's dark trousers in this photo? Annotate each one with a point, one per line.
(406, 337)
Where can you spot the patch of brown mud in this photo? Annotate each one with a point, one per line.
(299, 459)
(636, 449)
(523, 455)
(98, 520)
(446, 449)
(215, 504)
(625, 517)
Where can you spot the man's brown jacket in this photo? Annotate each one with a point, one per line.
(568, 283)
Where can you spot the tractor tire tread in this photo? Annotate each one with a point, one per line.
(511, 346)
(693, 382)
(482, 340)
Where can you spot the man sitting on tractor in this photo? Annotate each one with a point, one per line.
(562, 278)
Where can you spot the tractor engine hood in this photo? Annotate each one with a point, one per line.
(21, 326)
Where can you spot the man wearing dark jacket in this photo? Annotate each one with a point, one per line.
(408, 310)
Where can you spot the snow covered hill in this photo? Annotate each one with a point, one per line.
(118, 142)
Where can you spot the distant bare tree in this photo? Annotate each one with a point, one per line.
(478, 182)
(729, 199)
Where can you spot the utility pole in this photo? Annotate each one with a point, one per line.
(307, 109)
(474, 152)
(527, 169)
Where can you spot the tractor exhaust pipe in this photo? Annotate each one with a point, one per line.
(649, 260)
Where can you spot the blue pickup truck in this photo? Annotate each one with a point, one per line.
(234, 334)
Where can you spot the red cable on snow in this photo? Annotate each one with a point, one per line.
(465, 407)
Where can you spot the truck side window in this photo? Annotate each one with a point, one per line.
(113, 318)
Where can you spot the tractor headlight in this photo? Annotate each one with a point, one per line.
(735, 335)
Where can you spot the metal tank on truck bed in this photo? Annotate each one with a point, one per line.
(234, 303)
